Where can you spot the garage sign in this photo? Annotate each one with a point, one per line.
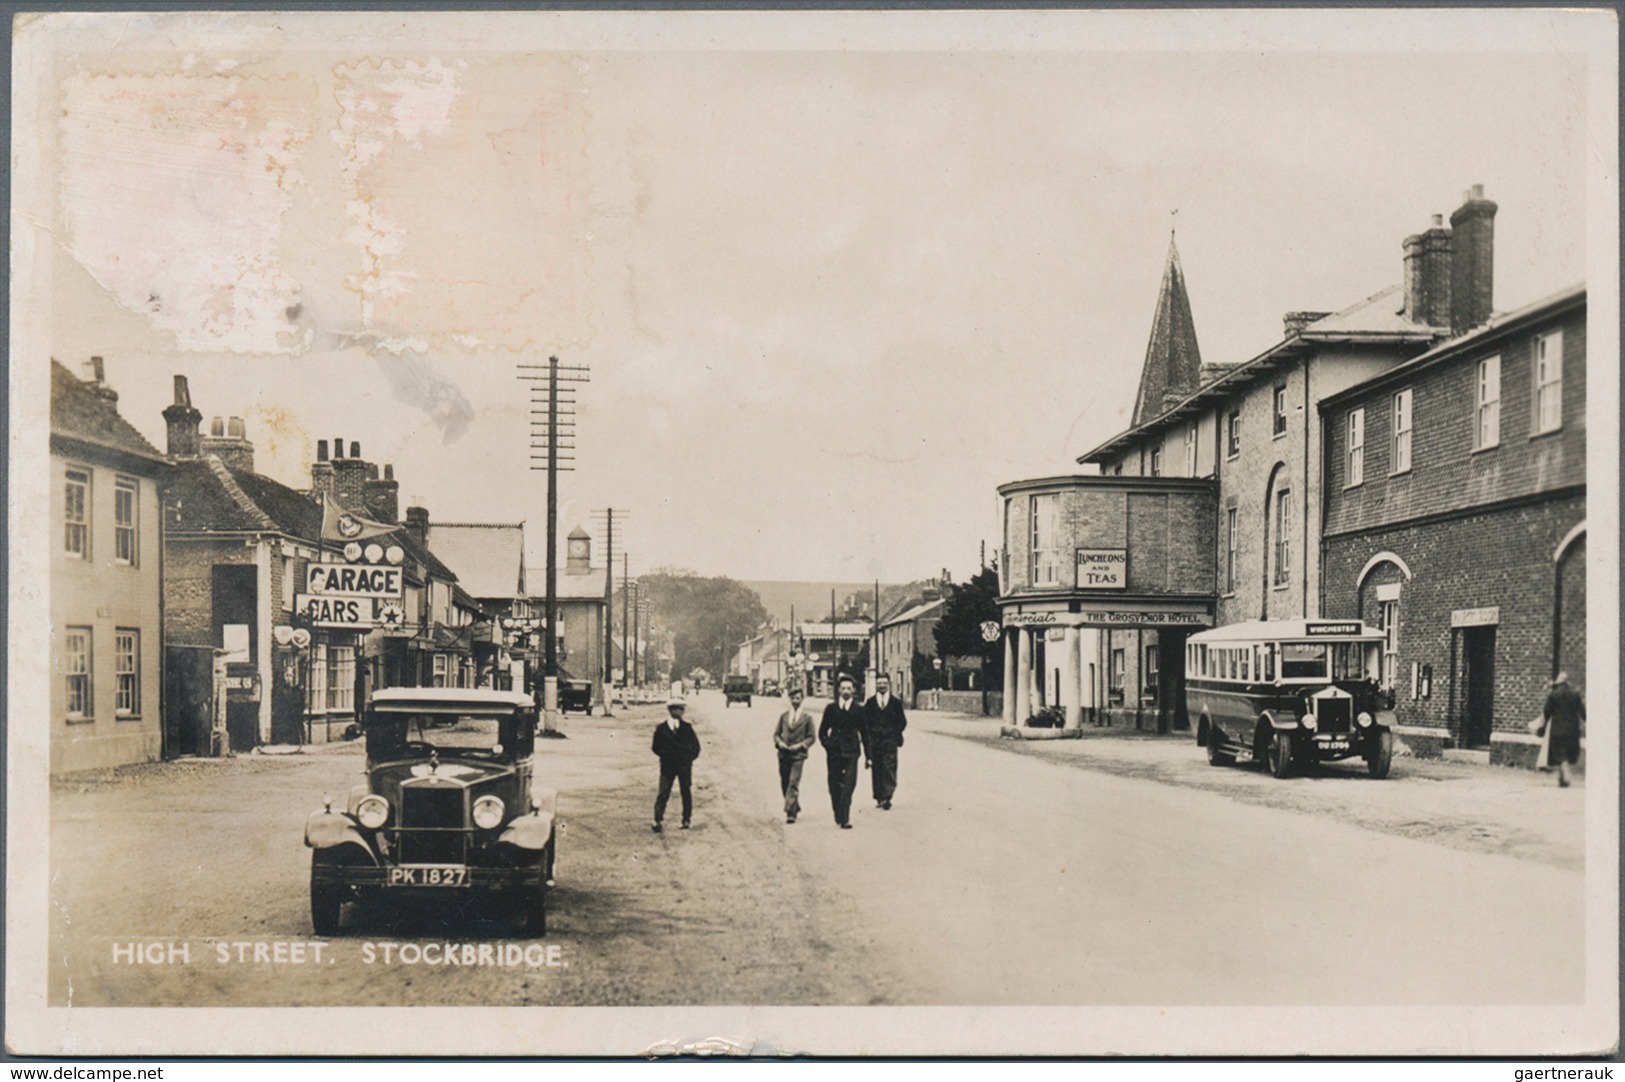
(354, 580)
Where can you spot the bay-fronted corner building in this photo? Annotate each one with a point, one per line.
(1091, 567)
(1253, 429)
(1455, 518)
(106, 580)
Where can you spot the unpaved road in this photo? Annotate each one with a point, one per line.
(999, 877)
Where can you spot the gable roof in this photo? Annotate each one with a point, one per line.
(206, 495)
(82, 413)
(1374, 320)
(488, 558)
(1173, 363)
(924, 608)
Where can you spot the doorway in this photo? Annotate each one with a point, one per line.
(1478, 659)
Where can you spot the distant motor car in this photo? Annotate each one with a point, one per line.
(770, 686)
(449, 806)
(575, 695)
(736, 689)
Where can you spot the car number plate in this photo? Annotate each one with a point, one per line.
(1334, 745)
(425, 876)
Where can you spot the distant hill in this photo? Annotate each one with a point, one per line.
(811, 599)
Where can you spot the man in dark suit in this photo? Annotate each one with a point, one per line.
(883, 717)
(843, 735)
(677, 745)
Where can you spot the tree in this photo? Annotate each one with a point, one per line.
(959, 631)
(708, 616)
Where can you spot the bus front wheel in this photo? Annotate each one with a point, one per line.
(1280, 754)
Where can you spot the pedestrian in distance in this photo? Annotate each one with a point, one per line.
(793, 736)
(883, 717)
(844, 737)
(677, 746)
(1565, 712)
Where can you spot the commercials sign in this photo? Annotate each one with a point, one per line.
(354, 580)
(1102, 569)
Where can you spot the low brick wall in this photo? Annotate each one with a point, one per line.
(960, 702)
(1422, 741)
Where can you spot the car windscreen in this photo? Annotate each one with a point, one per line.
(417, 735)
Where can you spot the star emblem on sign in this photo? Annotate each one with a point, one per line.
(391, 615)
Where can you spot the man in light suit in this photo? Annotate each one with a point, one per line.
(883, 715)
(794, 735)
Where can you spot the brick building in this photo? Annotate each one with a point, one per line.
(1091, 567)
(902, 635)
(106, 580)
(1455, 520)
(1254, 428)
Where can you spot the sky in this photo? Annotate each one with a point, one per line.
(830, 296)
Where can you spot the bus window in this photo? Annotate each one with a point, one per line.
(1303, 660)
(1269, 661)
(1202, 660)
(1246, 665)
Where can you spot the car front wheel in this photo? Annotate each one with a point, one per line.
(326, 902)
(1381, 756)
(1280, 753)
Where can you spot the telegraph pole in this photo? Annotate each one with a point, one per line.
(549, 427)
(607, 674)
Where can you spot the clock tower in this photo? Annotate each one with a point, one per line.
(578, 552)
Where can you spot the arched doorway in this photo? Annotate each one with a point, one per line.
(1569, 607)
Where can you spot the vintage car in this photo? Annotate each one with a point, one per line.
(575, 695)
(770, 686)
(448, 807)
(736, 689)
(1286, 692)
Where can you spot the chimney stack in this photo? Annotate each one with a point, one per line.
(182, 421)
(1427, 275)
(1472, 268)
(417, 523)
(1295, 322)
(98, 380)
(383, 495)
(321, 472)
(350, 477)
(228, 440)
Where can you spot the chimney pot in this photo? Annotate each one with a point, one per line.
(338, 448)
(355, 449)
(217, 427)
(321, 450)
(235, 429)
(98, 369)
(181, 420)
(1438, 221)
(389, 473)
(183, 393)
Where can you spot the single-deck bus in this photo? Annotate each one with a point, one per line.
(1290, 691)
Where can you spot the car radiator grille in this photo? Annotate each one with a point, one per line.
(1334, 715)
(432, 826)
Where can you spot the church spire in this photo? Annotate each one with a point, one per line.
(1173, 363)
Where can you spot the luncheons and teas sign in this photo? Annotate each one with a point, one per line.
(1102, 569)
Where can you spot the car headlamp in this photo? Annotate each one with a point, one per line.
(1364, 719)
(1309, 722)
(372, 812)
(488, 812)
